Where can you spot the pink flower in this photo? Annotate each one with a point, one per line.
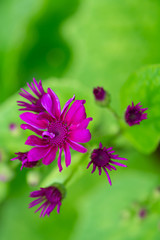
(57, 129)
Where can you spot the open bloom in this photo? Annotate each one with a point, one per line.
(57, 129)
(49, 197)
(101, 159)
(135, 114)
(23, 157)
(35, 102)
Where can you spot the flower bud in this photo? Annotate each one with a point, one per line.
(101, 96)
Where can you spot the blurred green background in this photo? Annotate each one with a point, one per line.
(73, 46)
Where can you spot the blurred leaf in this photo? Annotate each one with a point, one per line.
(110, 39)
(144, 86)
(3, 190)
(15, 16)
(31, 43)
(101, 207)
(18, 222)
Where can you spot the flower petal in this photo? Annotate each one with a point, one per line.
(50, 156)
(26, 126)
(32, 120)
(65, 108)
(109, 179)
(94, 168)
(77, 147)
(67, 155)
(100, 171)
(118, 164)
(79, 115)
(81, 125)
(36, 141)
(56, 107)
(89, 164)
(45, 116)
(75, 106)
(46, 102)
(37, 153)
(59, 160)
(82, 135)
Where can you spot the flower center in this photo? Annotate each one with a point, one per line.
(57, 133)
(134, 115)
(100, 157)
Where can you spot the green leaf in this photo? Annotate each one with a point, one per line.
(110, 39)
(100, 209)
(144, 86)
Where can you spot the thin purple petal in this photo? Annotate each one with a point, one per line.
(50, 156)
(77, 147)
(67, 155)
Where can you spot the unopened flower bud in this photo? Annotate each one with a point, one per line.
(101, 96)
(142, 213)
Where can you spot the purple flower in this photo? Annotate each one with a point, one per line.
(12, 126)
(142, 213)
(101, 158)
(23, 157)
(99, 93)
(57, 129)
(135, 114)
(49, 197)
(35, 102)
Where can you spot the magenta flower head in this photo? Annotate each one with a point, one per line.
(57, 129)
(49, 198)
(23, 157)
(135, 114)
(35, 102)
(101, 159)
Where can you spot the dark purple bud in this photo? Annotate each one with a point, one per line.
(101, 96)
(142, 213)
(99, 93)
(12, 126)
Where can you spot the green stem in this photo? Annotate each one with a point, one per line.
(114, 113)
(118, 118)
(74, 170)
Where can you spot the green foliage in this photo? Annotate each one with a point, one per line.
(31, 42)
(85, 44)
(110, 39)
(144, 86)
